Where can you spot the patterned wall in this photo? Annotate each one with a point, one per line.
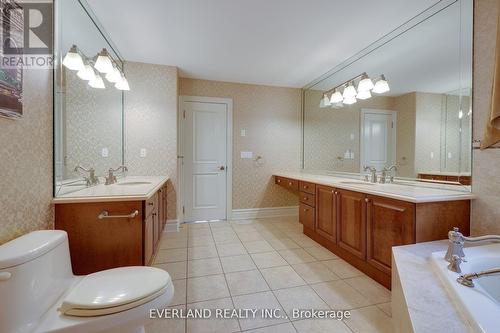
(485, 168)
(271, 117)
(93, 121)
(26, 161)
(151, 123)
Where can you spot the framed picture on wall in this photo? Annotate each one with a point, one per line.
(11, 77)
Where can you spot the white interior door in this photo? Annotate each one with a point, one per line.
(378, 141)
(205, 160)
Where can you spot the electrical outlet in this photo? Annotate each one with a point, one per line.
(243, 132)
(246, 154)
(143, 152)
(105, 152)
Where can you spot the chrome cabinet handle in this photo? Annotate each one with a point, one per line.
(105, 215)
(367, 200)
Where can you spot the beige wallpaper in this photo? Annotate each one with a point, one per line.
(485, 169)
(271, 117)
(151, 123)
(26, 161)
(93, 121)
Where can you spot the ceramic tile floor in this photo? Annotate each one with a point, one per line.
(265, 263)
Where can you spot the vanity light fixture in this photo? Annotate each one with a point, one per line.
(86, 73)
(325, 101)
(73, 60)
(365, 84)
(363, 94)
(349, 91)
(103, 63)
(97, 82)
(336, 97)
(122, 84)
(350, 100)
(115, 75)
(381, 86)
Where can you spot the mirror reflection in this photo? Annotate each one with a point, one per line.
(403, 106)
(88, 102)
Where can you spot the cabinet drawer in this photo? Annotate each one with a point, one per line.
(306, 216)
(308, 199)
(151, 205)
(307, 187)
(292, 184)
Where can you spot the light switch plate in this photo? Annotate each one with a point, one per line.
(105, 152)
(143, 152)
(243, 132)
(246, 154)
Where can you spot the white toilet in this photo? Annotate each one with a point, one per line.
(39, 293)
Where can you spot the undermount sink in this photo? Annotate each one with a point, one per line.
(356, 183)
(131, 183)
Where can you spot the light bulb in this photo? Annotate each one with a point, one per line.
(97, 82)
(86, 73)
(103, 63)
(122, 84)
(324, 101)
(460, 114)
(336, 97)
(349, 91)
(365, 94)
(381, 86)
(114, 76)
(365, 84)
(350, 100)
(72, 60)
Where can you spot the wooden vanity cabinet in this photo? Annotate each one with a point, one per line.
(351, 222)
(389, 223)
(326, 212)
(102, 243)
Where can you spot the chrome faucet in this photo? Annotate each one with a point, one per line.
(393, 168)
(91, 180)
(111, 178)
(383, 176)
(373, 172)
(455, 253)
(466, 279)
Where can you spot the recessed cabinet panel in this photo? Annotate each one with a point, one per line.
(390, 223)
(351, 222)
(306, 216)
(326, 207)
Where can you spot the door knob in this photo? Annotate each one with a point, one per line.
(222, 168)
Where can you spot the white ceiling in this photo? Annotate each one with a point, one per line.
(273, 42)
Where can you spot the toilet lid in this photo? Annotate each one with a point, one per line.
(115, 288)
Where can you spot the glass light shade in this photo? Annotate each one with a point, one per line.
(365, 94)
(122, 84)
(365, 84)
(97, 82)
(381, 86)
(325, 101)
(460, 114)
(336, 97)
(350, 100)
(338, 105)
(86, 73)
(72, 60)
(103, 63)
(349, 91)
(114, 76)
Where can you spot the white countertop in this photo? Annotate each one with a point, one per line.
(415, 192)
(430, 307)
(116, 192)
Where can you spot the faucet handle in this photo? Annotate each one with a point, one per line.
(455, 262)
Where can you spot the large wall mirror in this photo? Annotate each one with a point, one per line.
(88, 118)
(414, 112)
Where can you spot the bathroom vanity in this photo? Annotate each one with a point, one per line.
(361, 222)
(113, 225)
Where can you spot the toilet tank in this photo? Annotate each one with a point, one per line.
(35, 270)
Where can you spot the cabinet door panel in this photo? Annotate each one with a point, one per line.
(390, 223)
(351, 225)
(306, 216)
(148, 239)
(326, 216)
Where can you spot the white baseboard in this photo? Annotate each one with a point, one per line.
(254, 213)
(172, 226)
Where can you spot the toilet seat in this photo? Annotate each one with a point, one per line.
(114, 290)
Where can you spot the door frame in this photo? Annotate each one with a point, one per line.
(229, 150)
(364, 111)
